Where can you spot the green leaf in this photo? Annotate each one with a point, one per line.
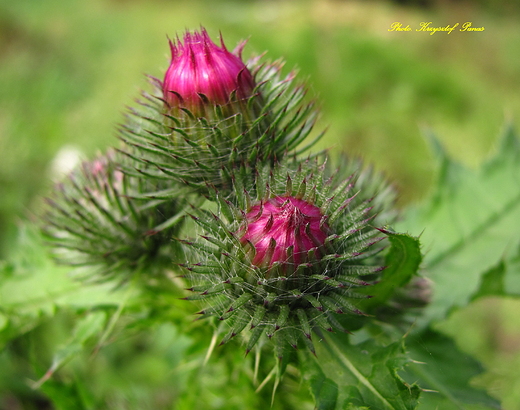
(349, 376)
(32, 287)
(403, 262)
(470, 224)
(324, 390)
(502, 279)
(492, 282)
(354, 407)
(512, 276)
(446, 372)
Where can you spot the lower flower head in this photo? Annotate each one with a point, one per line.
(284, 230)
(203, 73)
(288, 252)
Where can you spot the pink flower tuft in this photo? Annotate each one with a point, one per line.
(280, 223)
(200, 72)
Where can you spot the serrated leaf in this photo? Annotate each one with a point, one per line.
(324, 390)
(501, 280)
(365, 375)
(446, 372)
(32, 287)
(470, 224)
(492, 282)
(403, 261)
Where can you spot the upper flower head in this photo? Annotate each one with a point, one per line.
(284, 230)
(201, 72)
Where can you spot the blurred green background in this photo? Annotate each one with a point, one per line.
(69, 67)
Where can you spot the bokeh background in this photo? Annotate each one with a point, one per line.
(68, 68)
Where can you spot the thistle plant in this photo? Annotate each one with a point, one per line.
(195, 131)
(214, 181)
(291, 244)
(98, 219)
(289, 254)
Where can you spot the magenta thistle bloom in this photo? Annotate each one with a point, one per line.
(201, 72)
(295, 250)
(285, 229)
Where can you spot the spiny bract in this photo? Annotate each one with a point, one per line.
(285, 293)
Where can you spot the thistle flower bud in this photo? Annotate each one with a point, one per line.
(98, 221)
(290, 251)
(203, 73)
(284, 230)
(180, 130)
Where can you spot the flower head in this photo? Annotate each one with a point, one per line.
(201, 72)
(289, 252)
(202, 141)
(284, 230)
(95, 223)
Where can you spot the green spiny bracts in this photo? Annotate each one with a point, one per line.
(99, 218)
(201, 150)
(289, 253)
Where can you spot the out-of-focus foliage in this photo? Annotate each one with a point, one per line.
(364, 374)
(470, 229)
(472, 242)
(67, 68)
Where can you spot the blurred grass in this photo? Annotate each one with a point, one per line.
(68, 68)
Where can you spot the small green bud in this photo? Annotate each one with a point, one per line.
(97, 222)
